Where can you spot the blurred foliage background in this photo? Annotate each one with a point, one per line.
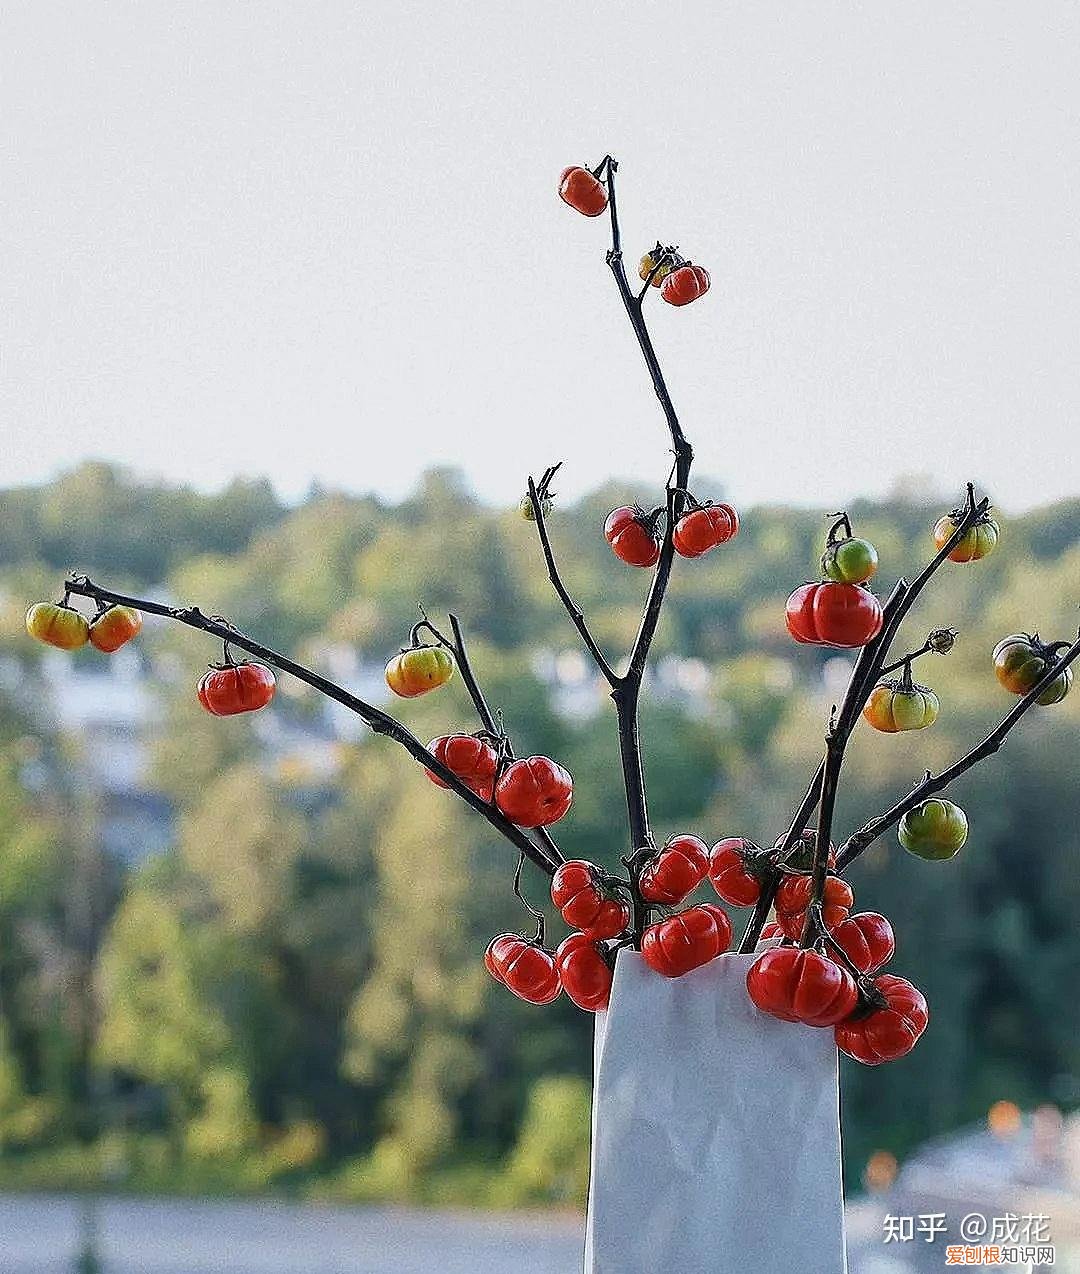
(244, 954)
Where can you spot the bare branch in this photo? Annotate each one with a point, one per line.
(860, 840)
(490, 722)
(577, 617)
(379, 721)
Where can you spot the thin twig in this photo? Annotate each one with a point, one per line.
(577, 617)
(489, 721)
(379, 721)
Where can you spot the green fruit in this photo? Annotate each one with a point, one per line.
(1020, 663)
(850, 561)
(894, 707)
(934, 830)
(525, 507)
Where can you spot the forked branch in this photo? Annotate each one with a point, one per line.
(859, 841)
(380, 722)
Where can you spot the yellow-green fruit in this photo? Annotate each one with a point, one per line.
(60, 626)
(893, 707)
(1020, 663)
(525, 507)
(417, 670)
(935, 830)
(977, 541)
(645, 268)
(850, 561)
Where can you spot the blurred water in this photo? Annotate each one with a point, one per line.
(41, 1235)
(44, 1235)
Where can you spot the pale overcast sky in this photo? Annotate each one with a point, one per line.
(321, 241)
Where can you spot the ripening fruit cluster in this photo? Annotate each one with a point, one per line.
(225, 690)
(635, 537)
(679, 280)
(60, 625)
(840, 611)
(876, 1017)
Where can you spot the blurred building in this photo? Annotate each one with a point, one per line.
(1014, 1165)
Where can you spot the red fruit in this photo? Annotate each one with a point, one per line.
(534, 792)
(828, 614)
(793, 898)
(886, 1033)
(236, 688)
(528, 969)
(586, 975)
(473, 760)
(730, 874)
(496, 952)
(584, 903)
(685, 284)
(115, 626)
(802, 986)
(867, 940)
(703, 529)
(632, 537)
(676, 870)
(686, 941)
(582, 191)
(772, 930)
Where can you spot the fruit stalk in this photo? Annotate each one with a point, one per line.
(488, 720)
(380, 722)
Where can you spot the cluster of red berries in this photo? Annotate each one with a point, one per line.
(876, 1016)
(679, 280)
(532, 792)
(634, 535)
(597, 908)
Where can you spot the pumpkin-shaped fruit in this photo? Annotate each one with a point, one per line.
(849, 561)
(685, 284)
(235, 688)
(896, 706)
(473, 760)
(585, 903)
(801, 986)
(935, 830)
(632, 536)
(793, 899)
(735, 869)
(419, 669)
(704, 528)
(978, 540)
(838, 615)
(1022, 660)
(674, 871)
(890, 1028)
(647, 265)
(113, 627)
(686, 940)
(529, 970)
(585, 973)
(534, 791)
(57, 625)
(582, 191)
(867, 940)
